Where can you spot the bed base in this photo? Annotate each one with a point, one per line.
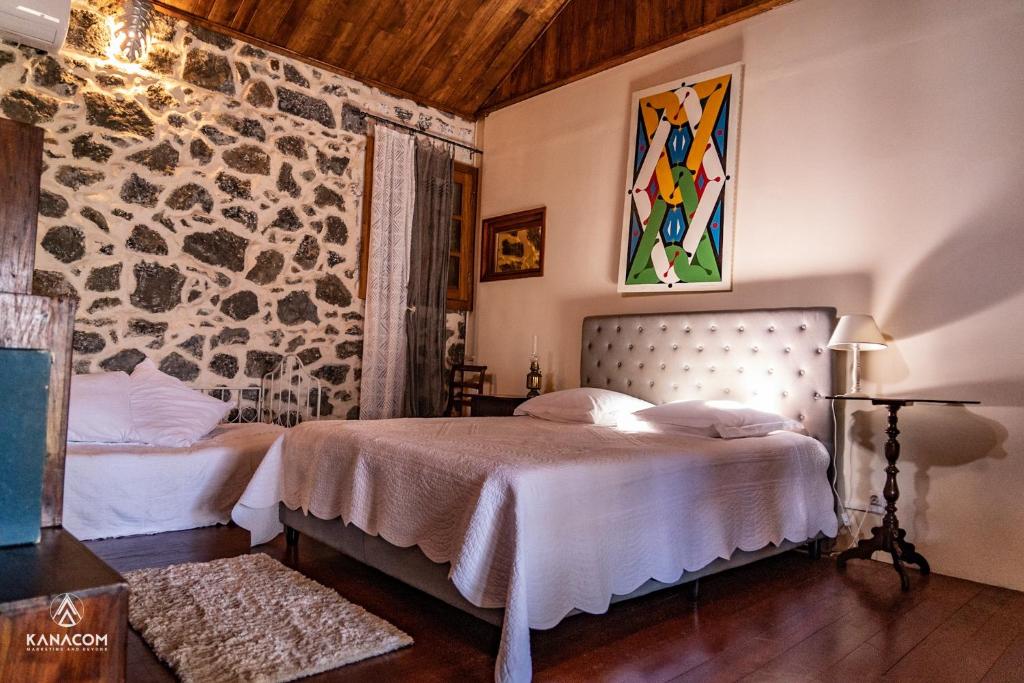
(412, 567)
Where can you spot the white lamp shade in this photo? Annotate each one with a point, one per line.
(857, 330)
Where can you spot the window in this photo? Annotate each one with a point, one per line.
(462, 253)
(461, 257)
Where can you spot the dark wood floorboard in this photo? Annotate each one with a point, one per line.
(785, 619)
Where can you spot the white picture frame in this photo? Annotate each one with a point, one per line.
(681, 239)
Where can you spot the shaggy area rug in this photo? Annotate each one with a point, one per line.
(250, 618)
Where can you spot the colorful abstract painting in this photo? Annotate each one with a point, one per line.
(681, 185)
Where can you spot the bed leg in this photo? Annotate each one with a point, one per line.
(291, 537)
(814, 549)
(693, 590)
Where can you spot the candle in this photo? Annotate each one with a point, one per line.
(534, 345)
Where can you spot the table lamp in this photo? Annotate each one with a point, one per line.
(858, 333)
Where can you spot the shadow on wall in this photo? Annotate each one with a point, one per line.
(888, 365)
(930, 437)
(999, 393)
(967, 273)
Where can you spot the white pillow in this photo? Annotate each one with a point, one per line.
(590, 406)
(99, 409)
(167, 412)
(726, 419)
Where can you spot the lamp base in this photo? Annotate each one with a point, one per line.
(854, 394)
(855, 390)
(533, 378)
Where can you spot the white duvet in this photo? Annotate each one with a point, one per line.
(540, 517)
(126, 489)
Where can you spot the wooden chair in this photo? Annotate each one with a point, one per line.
(465, 381)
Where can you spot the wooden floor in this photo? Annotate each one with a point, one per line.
(782, 619)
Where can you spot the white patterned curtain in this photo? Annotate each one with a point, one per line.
(382, 393)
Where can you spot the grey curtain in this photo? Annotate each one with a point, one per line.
(426, 385)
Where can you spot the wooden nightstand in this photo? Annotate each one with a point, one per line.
(63, 613)
(494, 406)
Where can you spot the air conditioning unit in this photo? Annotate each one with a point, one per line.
(38, 23)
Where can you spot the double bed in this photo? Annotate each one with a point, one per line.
(521, 521)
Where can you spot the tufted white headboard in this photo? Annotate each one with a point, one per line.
(776, 359)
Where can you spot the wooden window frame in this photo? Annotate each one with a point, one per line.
(367, 199)
(463, 299)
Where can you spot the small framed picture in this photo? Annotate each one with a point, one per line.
(513, 246)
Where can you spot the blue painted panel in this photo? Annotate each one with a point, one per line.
(24, 385)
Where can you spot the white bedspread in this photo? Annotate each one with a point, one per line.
(540, 517)
(125, 489)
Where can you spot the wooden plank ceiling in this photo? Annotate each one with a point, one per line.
(589, 36)
(469, 57)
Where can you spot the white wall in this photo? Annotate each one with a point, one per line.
(881, 169)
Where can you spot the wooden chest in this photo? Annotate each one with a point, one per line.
(63, 613)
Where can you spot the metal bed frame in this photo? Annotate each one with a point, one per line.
(287, 395)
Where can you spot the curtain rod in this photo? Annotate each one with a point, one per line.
(392, 122)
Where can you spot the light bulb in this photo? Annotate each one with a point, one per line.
(135, 23)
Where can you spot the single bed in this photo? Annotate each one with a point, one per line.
(124, 489)
(522, 521)
(127, 489)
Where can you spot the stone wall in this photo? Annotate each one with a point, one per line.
(202, 206)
